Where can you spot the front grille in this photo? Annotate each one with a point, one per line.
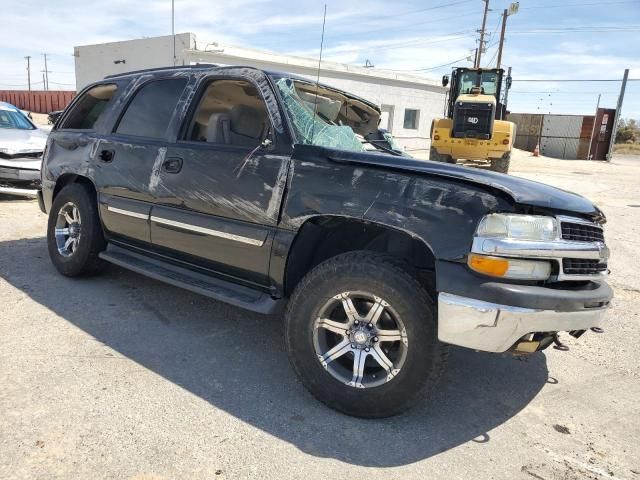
(579, 266)
(579, 232)
(472, 120)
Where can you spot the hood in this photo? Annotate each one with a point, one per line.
(522, 191)
(14, 141)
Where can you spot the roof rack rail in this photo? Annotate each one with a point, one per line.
(157, 69)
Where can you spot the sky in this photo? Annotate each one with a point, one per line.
(546, 39)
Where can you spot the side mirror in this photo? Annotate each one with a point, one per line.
(509, 80)
(445, 80)
(266, 143)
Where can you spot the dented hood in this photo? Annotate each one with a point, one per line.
(522, 191)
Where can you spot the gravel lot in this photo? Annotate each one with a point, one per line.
(123, 377)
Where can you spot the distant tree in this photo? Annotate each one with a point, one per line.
(628, 131)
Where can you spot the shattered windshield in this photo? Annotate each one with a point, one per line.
(314, 118)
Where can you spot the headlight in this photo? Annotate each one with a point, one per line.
(521, 227)
(510, 267)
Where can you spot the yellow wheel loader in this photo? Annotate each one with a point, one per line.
(474, 129)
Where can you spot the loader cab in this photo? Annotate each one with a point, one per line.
(474, 102)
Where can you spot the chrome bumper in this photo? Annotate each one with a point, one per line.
(496, 328)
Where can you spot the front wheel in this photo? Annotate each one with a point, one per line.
(434, 156)
(361, 334)
(501, 164)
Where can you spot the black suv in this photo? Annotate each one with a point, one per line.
(261, 189)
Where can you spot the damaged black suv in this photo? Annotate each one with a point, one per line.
(272, 193)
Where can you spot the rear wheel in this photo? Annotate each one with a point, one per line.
(438, 157)
(361, 334)
(501, 164)
(74, 232)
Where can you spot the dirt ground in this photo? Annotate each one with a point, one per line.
(123, 377)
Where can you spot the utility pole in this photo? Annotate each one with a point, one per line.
(45, 78)
(504, 27)
(173, 31)
(617, 115)
(593, 129)
(512, 10)
(484, 25)
(28, 59)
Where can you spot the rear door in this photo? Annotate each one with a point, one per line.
(126, 158)
(220, 200)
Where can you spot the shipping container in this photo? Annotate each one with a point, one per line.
(562, 126)
(38, 101)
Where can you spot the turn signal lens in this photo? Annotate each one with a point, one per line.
(510, 267)
(493, 266)
(505, 141)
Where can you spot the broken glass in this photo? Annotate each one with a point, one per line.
(311, 128)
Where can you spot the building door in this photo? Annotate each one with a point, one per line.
(386, 118)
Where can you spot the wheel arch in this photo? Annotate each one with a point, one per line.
(69, 178)
(325, 236)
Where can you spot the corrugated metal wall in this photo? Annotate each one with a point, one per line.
(38, 101)
(559, 136)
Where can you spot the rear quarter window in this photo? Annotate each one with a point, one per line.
(149, 113)
(89, 108)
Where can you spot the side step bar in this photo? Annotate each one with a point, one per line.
(206, 285)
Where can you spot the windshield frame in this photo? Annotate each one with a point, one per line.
(15, 113)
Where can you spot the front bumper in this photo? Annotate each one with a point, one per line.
(493, 327)
(20, 172)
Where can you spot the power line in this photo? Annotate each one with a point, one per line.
(430, 68)
(428, 8)
(450, 36)
(404, 27)
(573, 80)
(600, 4)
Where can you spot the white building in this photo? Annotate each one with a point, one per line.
(408, 102)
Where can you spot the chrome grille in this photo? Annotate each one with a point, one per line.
(580, 232)
(580, 266)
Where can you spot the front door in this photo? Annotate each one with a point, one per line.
(220, 200)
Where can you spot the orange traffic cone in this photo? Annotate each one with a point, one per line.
(536, 151)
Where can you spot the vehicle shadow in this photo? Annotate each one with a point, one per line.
(236, 361)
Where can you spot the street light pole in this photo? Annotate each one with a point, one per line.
(512, 10)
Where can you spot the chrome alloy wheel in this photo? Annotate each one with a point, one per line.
(67, 230)
(360, 340)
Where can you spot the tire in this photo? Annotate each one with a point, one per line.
(434, 156)
(501, 164)
(80, 258)
(418, 358)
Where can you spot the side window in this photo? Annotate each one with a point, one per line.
(89, 107)
(230, 112)
(150, 111)
(411, 118)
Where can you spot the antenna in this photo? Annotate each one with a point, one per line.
(315, 101)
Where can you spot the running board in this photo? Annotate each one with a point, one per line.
(218, 289)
